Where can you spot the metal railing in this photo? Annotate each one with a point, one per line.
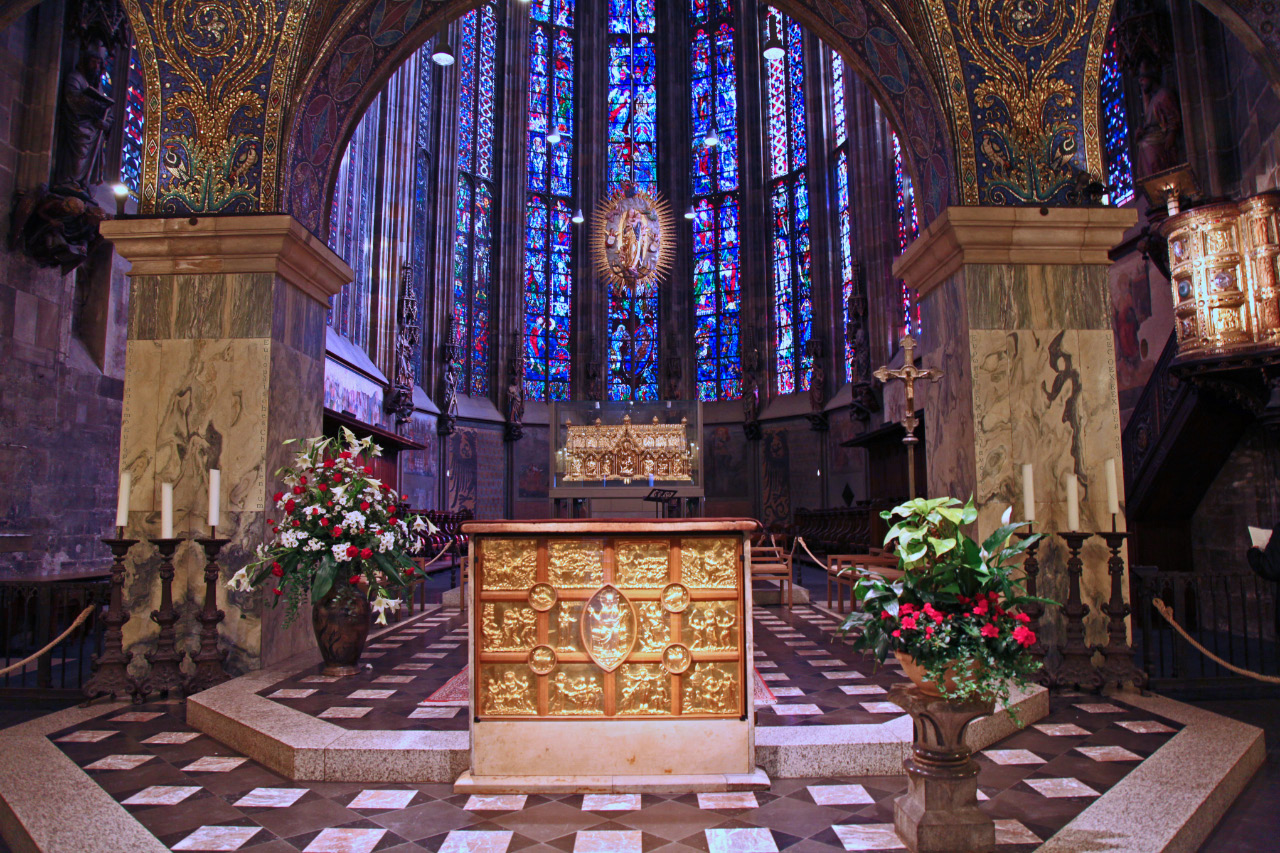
(1234, 614)
(32, 613)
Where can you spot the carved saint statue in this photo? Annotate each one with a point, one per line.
(1158, 140)
(84, 117)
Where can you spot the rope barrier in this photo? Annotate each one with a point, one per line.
(76, 624)
(1167, 613)
(800, 541)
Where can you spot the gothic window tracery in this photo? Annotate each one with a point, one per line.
(844, 212)
(908, 228)
(549, 230)
(1115, 126)
(717, 288)
(788, 189)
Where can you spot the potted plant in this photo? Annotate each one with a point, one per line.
(340, 528)
(954, 619)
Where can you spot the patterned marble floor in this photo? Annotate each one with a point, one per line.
(195, 794)
(816, 678)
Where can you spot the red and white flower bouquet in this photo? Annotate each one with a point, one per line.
(339, 524)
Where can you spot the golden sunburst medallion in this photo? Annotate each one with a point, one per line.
(633, 239)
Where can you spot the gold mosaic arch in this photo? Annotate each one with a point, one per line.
(616, 644)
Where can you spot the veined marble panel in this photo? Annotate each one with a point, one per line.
(1031, 296)
(948, 402)
(215, 305)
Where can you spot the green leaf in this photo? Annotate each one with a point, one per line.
(996, 539)
(392, 574)
(325, 576)
(970, 513)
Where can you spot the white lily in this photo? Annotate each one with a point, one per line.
(239, 582)
(381, 605)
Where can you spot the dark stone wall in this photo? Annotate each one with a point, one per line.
(1245, 493)
(59, 405)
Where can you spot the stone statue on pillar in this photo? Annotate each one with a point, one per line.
(515, 392)
(750, 386)
(399, 397)
(864, 401)
(817, 386)
(452, 352)
(1159, 139)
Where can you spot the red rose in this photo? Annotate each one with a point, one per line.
(368, 470)
(352, 550)
(337, 478)
(296, 522)
(276, 570)
(330, 503)
(324, 522)
(353, 580)
(337, 531)
(897, 633)
(297, 490)
(328, 463)
(344, 455)
(404, 497)
(366, 553)
(1024, 636)
(302, 480)
(364, 505)
(1022, 617)
(409, 570)
(289, 505)
(989, 630)
(322, 487)
(278, 496)
(277, 591)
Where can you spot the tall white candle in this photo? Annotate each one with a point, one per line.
(1028, 494)
(1113, 491)
(215, 493)
(122, 500)
(166, 510)
(1073, 502)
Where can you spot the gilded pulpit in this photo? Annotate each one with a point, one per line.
(606, 651)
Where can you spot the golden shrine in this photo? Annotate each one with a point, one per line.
(632, 636)
(626, 451)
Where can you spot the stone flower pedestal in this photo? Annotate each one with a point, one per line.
(939, 813)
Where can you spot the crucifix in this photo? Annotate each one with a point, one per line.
(909, 373)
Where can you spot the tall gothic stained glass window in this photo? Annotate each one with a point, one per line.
(548, 256)
(134, 112)
(717, 294)
(473, 237)
(791, 253)
(844, 213)
(351, 226)
(1115, 126)
(908, 228)
(632, 159)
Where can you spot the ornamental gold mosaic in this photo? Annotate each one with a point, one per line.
(606, 627)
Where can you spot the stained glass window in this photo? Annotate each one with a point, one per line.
(473, 237)
(1115, 126)
(632, 159)
(548, 255)
(131, 139)
(716, 284)
(421, 183)
(351, 226)
(908, 228)
(844, 213)
(791, 254)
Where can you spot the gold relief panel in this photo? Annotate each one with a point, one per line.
(675, 598)
(542, 597)
(642, 565)
(643, 689)
(655, 629)
(542, 659)
(608, 627)
(709, 563)
(507, 627)
(676, 659)
(576, 564)
(508, 563)
(576, 688)
(508, 690)
(564, 626)
(711, 626)
(711, 688)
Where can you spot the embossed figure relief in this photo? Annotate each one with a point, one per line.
(565, 626)
(608, 628)
(644, 689)
(709, 563)
(509, 563)
(508, 627)
(576, 564)
(576, 689)
(508, 691)
(655, 632)
(711, 627)
(642, 564)
(712, 688)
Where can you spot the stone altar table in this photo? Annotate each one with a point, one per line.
(611, 655)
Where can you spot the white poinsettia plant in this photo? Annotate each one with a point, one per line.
(339, 525)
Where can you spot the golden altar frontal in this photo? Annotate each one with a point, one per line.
(609, 648)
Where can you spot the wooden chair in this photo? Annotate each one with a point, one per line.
(771, 562)
(847, 569)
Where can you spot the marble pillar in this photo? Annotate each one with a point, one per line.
(1017, 314)
(224, 362)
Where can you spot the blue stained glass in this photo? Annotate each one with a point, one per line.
(134, 112)
(1115, 126)
(550, 197)
(908, 228)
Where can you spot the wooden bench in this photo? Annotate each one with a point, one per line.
(771, 562)
(847, 569)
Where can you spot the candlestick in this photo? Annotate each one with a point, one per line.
(111, 667)
(1113, 492)
(1028, 494)
(122, 500)
(1076, 668)
(1073, 502)
(215, 493)
(1118, 667)
(166, 510)
(166, 660)
(209, 659)
(1034, 610)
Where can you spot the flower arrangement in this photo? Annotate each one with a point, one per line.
(957, 608)
(340, 524)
